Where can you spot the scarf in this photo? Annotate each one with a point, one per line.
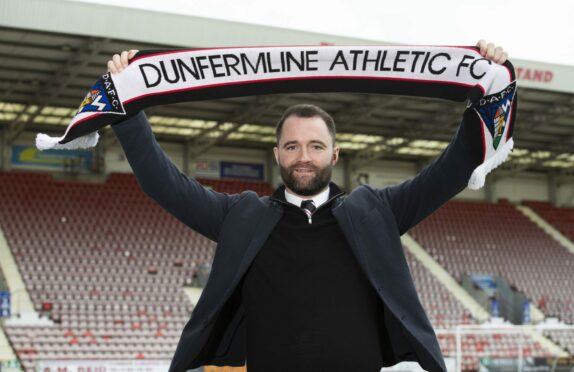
(162, 77)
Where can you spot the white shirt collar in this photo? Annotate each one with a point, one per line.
(318, 199)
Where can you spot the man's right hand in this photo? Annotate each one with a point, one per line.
(120, 61)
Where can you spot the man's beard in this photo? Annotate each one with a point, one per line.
(309, 186)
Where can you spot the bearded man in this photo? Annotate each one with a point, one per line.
(308, 279)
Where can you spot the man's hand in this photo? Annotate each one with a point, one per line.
(120, 61)
(492, 52)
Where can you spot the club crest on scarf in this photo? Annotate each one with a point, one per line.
(102, 98)
(494, 111)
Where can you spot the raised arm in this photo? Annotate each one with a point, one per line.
(201, 209)
(416, 198)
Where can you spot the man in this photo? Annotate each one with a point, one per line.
(307, 279)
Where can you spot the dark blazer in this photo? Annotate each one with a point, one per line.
(371, 219)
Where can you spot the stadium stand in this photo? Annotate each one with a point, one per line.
(443, 309)
(445, 312)
(103, 261)
(107, 265)
(564, 338)
(232, 186)
(473, 237)
(483, 238)
(561, 218)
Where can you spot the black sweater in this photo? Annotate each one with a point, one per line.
(309, 306)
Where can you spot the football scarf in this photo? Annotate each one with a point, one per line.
(163, 77)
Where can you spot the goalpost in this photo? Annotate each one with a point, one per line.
(517, 338)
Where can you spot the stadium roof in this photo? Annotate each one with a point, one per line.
(51, 52)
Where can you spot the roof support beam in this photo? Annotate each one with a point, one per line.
(202, 142)
(57, 83)
(411, 129)
(4, 150)
(353, 113)
(554, 112)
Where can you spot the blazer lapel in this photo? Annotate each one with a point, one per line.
(265, 226)
(344, 221)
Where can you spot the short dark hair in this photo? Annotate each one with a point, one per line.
(305, 111)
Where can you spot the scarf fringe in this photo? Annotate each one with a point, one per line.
(478, 177)
(45, 142)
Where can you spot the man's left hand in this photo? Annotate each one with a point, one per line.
(492, 52)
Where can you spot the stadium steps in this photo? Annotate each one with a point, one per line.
(445, 278)
(452, 285)
(467, 301)
(193, 294)
(546, 343)
(20, 301)
(6, 351)
(548, 228)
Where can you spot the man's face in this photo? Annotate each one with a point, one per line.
(306, 155)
